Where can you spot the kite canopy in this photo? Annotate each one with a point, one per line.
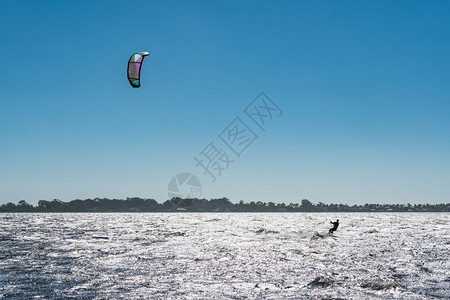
(134, 68)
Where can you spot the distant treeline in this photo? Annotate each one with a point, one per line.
(212, 205)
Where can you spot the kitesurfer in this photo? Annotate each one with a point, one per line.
(335, 226)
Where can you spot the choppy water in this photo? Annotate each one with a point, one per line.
(224, 256)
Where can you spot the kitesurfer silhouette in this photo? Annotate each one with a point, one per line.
(335, 226)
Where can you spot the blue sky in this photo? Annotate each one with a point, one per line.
(363, 87)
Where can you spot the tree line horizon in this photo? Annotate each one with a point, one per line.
(137, 204)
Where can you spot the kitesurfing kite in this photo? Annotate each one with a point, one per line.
(134, 68)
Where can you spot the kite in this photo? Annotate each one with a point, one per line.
(134, 68)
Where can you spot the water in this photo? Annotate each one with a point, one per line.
(224, 256)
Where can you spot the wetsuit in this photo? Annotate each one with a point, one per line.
(335, 226)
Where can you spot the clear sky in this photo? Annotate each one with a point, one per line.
(363, 87)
